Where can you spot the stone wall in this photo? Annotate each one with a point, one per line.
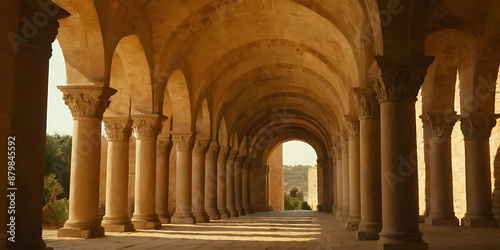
(276, 191)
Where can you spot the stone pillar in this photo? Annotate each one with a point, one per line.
(369, 150)
(25, 57)
(183, 143)
(146, 129)
(238, 185)
(323, 164)
(245, 189)
(441, 180)
(211, 181)
(118, 131)
(354, 186)
(338, 177)
(397, 88)
(230, 204)
(163, 148)
(477, 130)
(345, 178)
(87, 105)
(199, 151)
(221, 181)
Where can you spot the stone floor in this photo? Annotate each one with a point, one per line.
(272, 230)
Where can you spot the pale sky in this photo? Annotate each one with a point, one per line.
(59, 119)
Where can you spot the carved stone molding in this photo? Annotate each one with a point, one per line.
(352, 128)
(440, 124)
(38, 24)
(224, 152)
(117, 128)
(368, 106)
(164, 145)
(477, 126)
(400, 78)
(183, 142)
(147, 126)
(344, 141)
(87, 101)
(213, 150)
(248, 162)
(337, 148)
(200, 147)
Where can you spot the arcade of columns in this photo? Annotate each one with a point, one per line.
(211, 85)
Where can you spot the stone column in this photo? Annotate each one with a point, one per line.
(441, 180)
(211, 181)
(25, 58)
(338, 182)
(245, 189)
(146, 129)
(221, 181)
(333, 201)
(183, 143)
(323, 164)
(370, 189)
(477, 130)
(163, 148)
(199, 151)
(397, 88)
(118, 131)
(345, 178)
(354, 186)
(230, 204)
(238, 185)
(87, 105)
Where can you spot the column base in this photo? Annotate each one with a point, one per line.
(127, 227)
(241, 211)
(479, 221)
(213, 214)
(345, 215)
(224, 214)
(401, 240)
(187, 218)
(369, 231)
(338, 213)
(352, 223)
(406, 246)
(164, 218)
(85, 233)
(436, 221)
(249, 211)
(233, 212)
(146, 221)
(201, 217)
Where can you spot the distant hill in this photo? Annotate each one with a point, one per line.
(295, 176)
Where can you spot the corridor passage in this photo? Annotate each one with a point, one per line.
(270, 230)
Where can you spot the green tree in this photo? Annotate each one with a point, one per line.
(58, 158)
(293, 192)
(55, 206)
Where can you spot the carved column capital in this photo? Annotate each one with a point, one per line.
(352, 128)
(200, 147)
(87, 101)
(164, 145)
(337, 148)
(399, 78)
(440, 124)
(368, 106)
(322, 163)
(248, 162)
(224, 152)
(232, 155)
(344, 141)
(213, 150)
(117, 128)
(477, 126)
(38, 24)
(147, 125)
(183, 142)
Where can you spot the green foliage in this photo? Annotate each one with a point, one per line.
(293, 192)
(305, 206)
(55, 211)
(58, 158)
(292, 203)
